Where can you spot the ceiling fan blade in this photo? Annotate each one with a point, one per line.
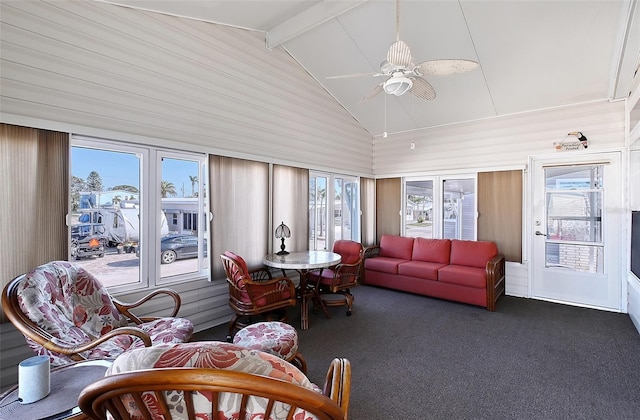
(374, 92)
(399, 54)
(422, 89)
(446, 67)
(345, 76)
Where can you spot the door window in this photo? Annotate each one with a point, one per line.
(574, 218)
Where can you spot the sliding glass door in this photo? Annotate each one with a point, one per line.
(334, 209)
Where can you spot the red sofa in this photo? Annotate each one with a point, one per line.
(463, 271)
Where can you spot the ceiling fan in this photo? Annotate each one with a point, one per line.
(402, 75)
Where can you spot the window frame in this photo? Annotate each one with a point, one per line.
(150, 209)
(438, 197)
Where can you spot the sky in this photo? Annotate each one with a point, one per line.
(118, 168)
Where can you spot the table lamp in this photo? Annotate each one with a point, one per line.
(282, 232)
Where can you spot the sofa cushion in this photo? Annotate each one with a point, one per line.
(393, 246)
(420, 269)
(431, 250)
(472, 253)
(383, 264)
(463, 275)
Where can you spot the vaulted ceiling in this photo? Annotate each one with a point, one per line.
(531, 54)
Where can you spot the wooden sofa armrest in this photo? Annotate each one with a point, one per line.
(371, 251)
(495, 281)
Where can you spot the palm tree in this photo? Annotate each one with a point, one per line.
(194, 181)
(167, 189)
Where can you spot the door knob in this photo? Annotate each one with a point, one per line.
(540, 233)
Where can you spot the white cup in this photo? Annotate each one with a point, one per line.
(34, 381)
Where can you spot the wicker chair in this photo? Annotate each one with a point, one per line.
(67, 314)
(214, 380)
(255, 294)
(333, 285)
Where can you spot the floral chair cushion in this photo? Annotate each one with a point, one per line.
(212, 354)
(73, 306)
(277, 338)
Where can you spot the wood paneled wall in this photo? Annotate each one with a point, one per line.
(180, 82)
(498, 143)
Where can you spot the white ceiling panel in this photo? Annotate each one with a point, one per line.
(532, 54)
(544, 54)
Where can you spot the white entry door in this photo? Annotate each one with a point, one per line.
(577, 226)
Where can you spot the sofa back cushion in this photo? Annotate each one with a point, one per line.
(472, 253)
(393, 246)
(431, 250)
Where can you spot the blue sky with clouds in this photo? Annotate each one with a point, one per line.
(118, 168)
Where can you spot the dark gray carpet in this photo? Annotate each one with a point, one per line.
(415, 357)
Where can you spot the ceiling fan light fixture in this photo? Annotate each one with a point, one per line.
(397, 85)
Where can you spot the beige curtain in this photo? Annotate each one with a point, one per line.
(500, 211)
(291, 206)
(240, 205)
(388, 206)
(35, 193)
(368, 208)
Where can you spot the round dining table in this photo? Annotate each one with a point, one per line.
(303, 262)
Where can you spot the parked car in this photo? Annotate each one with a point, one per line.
(87, 240)
(175, 247)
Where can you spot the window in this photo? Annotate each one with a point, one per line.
(183, 249)
(418, 220)
(437, 207)
(345, 208)
(459, 208)
(122, 195)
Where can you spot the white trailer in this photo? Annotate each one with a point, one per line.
(122, 225)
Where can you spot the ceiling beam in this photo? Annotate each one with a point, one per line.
(626, 62)
(309, 19)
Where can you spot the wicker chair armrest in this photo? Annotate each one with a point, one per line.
(260, 274)
(125, 307)
(54, 344)
(347, 273)
(337, 385)
(271, 290)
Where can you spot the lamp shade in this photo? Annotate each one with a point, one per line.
(283, 231)
(397, 85)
